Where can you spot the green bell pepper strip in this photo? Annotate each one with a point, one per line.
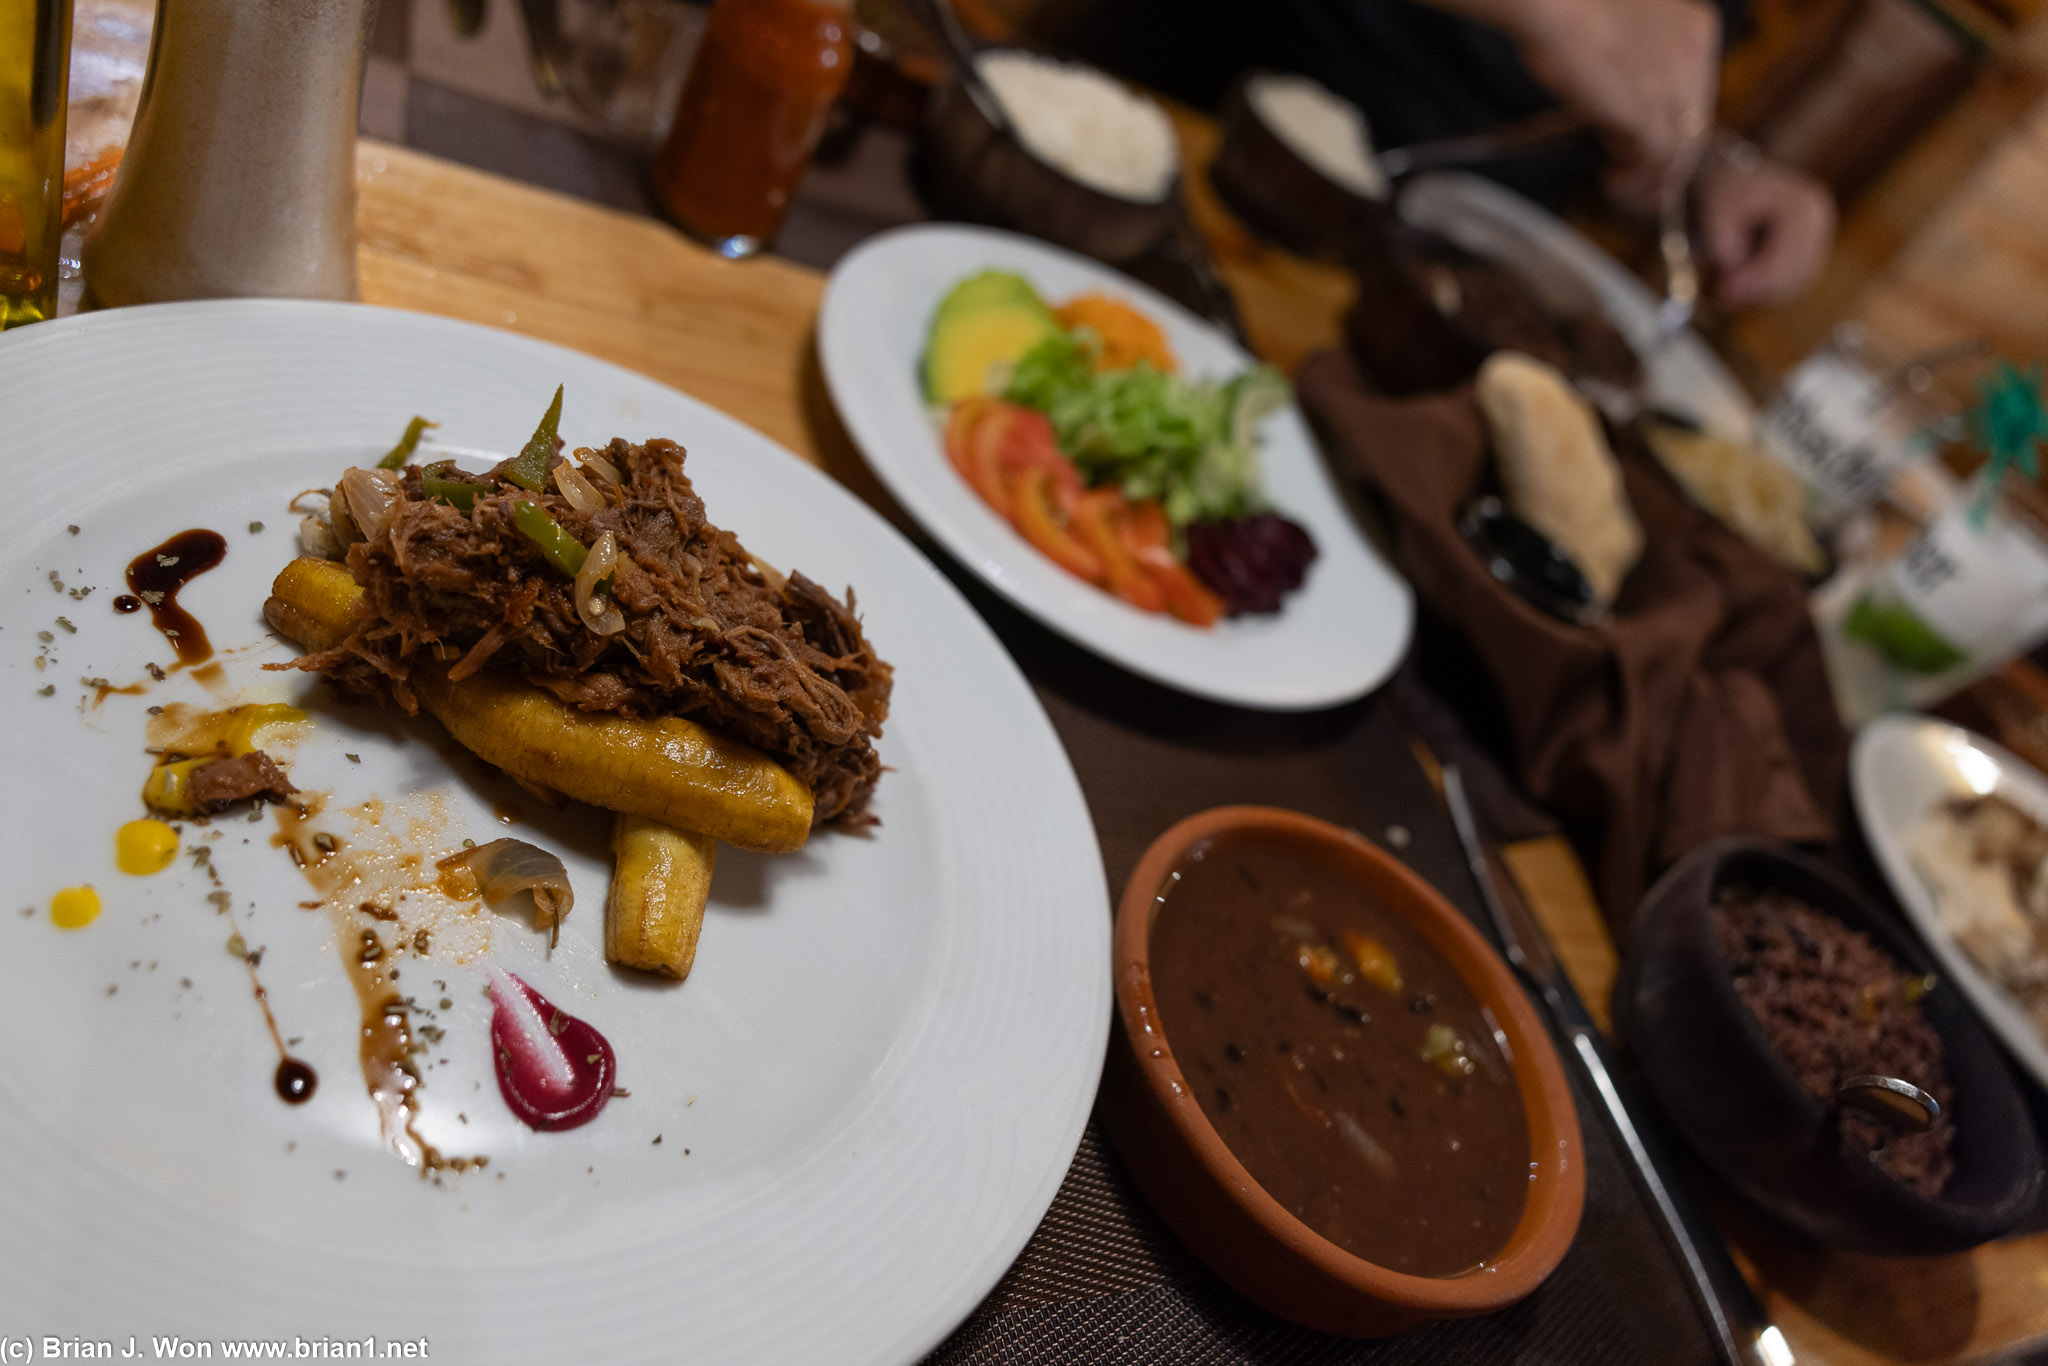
(529, 469)
(557, 546)
(435, 485)
(407, 444)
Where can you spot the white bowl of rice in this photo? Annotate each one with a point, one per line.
(1081, 159)
(1297, 163)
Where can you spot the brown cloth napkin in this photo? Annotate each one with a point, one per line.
(1701, 710)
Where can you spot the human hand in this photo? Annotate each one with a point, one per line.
(1641, 71)
(1766, 228)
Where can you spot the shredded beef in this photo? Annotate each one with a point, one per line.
(218, 784)
(711, 633)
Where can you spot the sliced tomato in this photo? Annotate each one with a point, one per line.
(960, 424)
(992, 455)
(1034, 496)
(1097, 520)
(1030, 443)
(1187, 597)
(1147, 534)
(971, 452)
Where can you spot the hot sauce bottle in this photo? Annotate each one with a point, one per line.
(751, 114)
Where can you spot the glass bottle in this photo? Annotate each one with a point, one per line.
(35, 49)
(750, 116)
(239, 178)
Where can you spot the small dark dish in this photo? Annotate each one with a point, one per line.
(1429, 312)
(1281, 196)
(969, 169)
(1529, 564)
(1741, 1108)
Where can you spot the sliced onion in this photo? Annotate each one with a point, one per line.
(598, 611)
(596, 463)
(581, 493)
(344, 526)
(369, 496)
(775, 577)
(505, 868)
(317, 538)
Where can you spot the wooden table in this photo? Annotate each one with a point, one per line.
(442, 239)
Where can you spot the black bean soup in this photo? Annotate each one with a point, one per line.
(1833, 1006)
(1339, 1056)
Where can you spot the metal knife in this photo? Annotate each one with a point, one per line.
(1743, 1334)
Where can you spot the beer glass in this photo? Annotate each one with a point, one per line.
(35, 52)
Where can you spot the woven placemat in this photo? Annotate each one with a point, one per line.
(1102, 1280)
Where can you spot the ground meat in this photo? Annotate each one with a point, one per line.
(1834, 1005)
(219, 783)
(710, 633)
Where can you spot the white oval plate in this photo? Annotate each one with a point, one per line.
(1901, 768)
(1493, 222)
(1335, 639)
(865, 1095)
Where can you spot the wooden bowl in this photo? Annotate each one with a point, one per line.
(1395, 330)
(1736, 1102)
(971, 170)
(1407, 345)
(1208, 1198)
(1283, 197)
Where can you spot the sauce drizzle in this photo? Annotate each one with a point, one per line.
(302, 1078)
(156, 575)
(387, 1042)
(295, 1081)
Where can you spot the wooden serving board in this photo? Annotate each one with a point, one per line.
(440, 238)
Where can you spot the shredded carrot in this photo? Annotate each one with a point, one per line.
(1128, 336)
(86, 185)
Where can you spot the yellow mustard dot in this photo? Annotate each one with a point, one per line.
(144, 847)
(75, 907)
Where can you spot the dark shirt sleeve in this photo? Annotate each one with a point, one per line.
(1417, 72)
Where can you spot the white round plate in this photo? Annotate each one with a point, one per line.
(1494, 223)
(840, 1131)
(1335, 639)
(1901, 768)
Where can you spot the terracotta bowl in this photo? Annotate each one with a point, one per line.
(969, 169)
(1208, 1198)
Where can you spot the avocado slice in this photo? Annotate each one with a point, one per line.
(986, 288)
(985, 320)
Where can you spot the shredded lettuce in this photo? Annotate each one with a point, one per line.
(1192, 445)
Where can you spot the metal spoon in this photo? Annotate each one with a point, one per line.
(1900, 1104)
(1681, 272)
(963, 51)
